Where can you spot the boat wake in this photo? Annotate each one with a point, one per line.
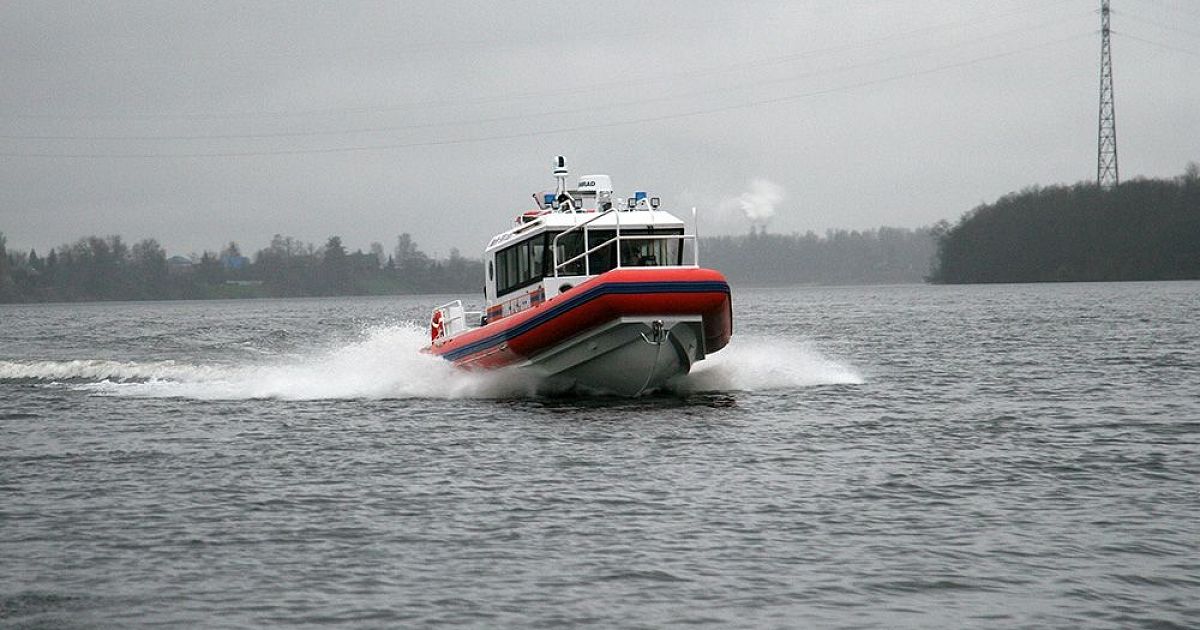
(758, 364)
(385, 363)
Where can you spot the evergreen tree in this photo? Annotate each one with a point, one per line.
(148, 267)
(334, 268)
(7, 287)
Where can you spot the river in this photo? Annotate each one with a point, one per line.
(858, 457)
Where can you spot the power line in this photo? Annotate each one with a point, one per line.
(1186, 51)
(1173, 7)
(1130, 16)
(559, 130)
(591, 108)
(593, 87)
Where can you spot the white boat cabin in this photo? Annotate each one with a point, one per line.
(575, 234)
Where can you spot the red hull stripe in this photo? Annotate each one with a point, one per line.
(583, 297)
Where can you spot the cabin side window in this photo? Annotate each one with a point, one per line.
(520, 265)
(506, 271)
(538, 256)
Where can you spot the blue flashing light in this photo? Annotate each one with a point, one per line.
(639, 195)
(549, 198)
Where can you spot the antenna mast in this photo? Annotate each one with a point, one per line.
(1107, 175)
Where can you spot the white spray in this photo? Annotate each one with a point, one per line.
(758, 364)
(386, 363)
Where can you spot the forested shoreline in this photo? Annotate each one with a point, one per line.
(1144, 229)
(886, 255)
(101, 269)
(107, 268)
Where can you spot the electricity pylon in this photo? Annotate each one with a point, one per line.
(1107, 175)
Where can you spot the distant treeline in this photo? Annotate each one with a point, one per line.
(1145, 229)
(880, 256)
(95, 268)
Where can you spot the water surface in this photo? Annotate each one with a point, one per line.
(980, 456)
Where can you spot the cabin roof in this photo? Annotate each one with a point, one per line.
(631, 219)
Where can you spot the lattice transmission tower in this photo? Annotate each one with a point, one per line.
(1107, 174)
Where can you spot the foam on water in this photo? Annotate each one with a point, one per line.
(101, 370)
(758, 364)
(386, 362)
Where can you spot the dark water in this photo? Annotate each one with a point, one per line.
(1004, 456)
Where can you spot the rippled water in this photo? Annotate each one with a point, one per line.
(990, 456)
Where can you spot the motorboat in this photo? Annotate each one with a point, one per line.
(591, 292)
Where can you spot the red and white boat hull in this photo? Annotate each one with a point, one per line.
(625, 332)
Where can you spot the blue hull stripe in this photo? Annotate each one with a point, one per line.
(610, 288)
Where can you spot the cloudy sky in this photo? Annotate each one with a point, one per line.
(200, 122)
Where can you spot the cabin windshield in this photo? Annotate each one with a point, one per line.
(649, 251)
(529, 261)
(638, 252)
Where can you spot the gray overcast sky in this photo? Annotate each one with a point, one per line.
(200, 122)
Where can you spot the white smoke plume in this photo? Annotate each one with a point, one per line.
(759, 202)
(753, 208)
